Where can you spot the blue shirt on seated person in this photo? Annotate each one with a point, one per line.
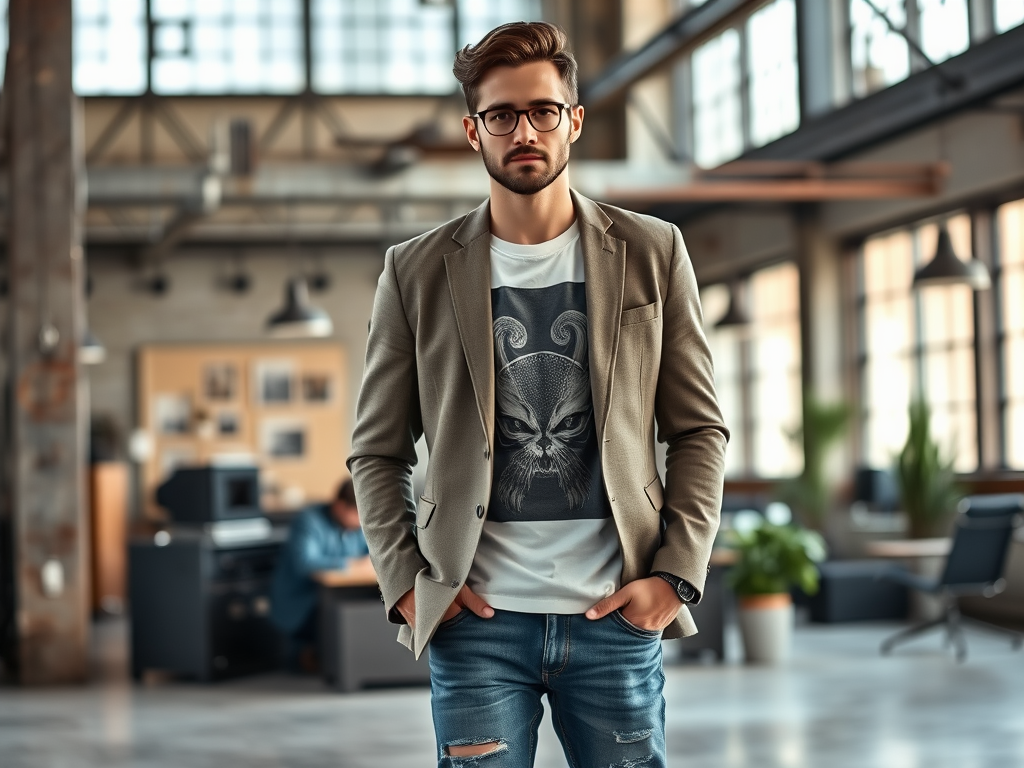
(321, 538)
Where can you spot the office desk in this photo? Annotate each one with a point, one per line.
(357, 643)
(358, 646)
(909, 549)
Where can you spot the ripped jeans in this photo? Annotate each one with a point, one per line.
(603, 680)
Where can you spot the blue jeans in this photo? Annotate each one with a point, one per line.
(603, 680)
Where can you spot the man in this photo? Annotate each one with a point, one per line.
(321, 538)
(534, 342)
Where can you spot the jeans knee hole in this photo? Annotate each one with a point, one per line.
(632, 737)
(467, 752)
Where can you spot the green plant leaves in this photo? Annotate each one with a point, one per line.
(928, 488)
(810, 493)
(775, 558)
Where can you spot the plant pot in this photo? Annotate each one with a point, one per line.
(766, 625)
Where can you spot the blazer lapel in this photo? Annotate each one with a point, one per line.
(469, 280)
(604, 268)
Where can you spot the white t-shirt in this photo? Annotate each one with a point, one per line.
(549, 543)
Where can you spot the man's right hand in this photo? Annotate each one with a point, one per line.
(466, 598)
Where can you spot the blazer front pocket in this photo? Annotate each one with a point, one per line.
(655, 493)
(640, 314)
(424, 511)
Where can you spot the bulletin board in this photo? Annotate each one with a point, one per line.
(280, 406)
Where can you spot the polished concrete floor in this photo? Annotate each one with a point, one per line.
(836, 704)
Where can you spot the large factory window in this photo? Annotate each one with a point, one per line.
(916, 344)
(399, 46)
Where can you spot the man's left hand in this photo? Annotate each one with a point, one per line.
(649, 603)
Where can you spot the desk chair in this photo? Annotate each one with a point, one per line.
(974, 566)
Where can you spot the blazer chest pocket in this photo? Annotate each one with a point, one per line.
(424, 511)
(640, 314)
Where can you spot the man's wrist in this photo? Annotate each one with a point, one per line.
(684, 590)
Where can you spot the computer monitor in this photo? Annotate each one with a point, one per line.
(211, 494)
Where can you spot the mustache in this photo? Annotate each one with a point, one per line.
(520, 151)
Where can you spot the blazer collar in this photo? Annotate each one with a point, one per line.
(604, 268)
(469, 280)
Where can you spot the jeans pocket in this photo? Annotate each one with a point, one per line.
(633, 629)
(456, 619)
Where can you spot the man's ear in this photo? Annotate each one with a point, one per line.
(469, 124)
(576, 115)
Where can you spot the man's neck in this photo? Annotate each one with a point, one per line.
(532, 219)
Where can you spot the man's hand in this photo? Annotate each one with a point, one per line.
(466, 598)
(649, 603)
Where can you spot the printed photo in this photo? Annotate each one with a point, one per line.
(228, 424)
(284, 439)
(172, 413)
(221, 381)
(316, 387)
(274, 381)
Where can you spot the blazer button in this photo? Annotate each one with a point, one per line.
(487, 453)
(479, 510)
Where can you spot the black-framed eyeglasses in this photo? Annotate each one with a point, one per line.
(501, 121)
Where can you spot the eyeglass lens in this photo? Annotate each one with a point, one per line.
(502, 122)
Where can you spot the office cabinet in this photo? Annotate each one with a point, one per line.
(202, 610)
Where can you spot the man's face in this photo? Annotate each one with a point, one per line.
(526, 160)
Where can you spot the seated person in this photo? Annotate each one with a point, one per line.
(321, 538)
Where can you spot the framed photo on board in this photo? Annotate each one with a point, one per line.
(317, 387)
(220, 381)
(275, 382)
(284, 439)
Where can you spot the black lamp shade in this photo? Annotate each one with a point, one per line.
(736, 315)
(946, 268)
(299, 319)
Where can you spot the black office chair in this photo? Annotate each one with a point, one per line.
(981, 540)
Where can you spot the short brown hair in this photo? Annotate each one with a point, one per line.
(346, 493)
(512, 45)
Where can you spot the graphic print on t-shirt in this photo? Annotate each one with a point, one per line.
(546, 459)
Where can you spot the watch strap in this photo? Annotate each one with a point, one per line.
(685, 591)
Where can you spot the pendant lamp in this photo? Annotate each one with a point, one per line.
(946, 268)
(736, 315)
(92, 351)
(299, 319)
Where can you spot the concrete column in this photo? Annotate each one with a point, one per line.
(595, 32)
(821, 317)
(45, 519)
(986, 363)
(821, 301)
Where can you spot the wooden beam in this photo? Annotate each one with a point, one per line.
(778, 190)
(46, 523)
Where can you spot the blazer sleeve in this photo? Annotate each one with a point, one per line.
(690, 422)
(388, 424)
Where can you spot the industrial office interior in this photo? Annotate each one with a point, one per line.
(186, 182)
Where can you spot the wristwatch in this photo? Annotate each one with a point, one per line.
(684, 589)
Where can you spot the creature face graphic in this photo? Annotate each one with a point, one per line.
(544, 409)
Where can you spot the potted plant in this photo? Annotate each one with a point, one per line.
(772, 559)
(928, 489)
(810, 493)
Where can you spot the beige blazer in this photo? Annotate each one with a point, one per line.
(430, 371)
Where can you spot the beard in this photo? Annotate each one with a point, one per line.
(526, 180)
